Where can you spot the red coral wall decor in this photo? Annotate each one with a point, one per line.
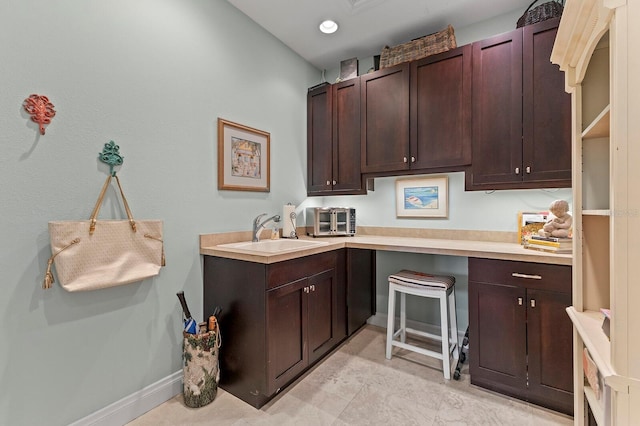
(40, 109)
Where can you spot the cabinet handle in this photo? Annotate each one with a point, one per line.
(517, 170)
(533, 303)
(404, 159)
(413, 159)
(528, 169)
(520, 301)
(334, 182)
(531, 277)
(328, 183)
(306, 289)
(312, 288)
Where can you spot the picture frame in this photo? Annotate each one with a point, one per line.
(348, 69)
(529, 223)
(426, 197)
(243, 157)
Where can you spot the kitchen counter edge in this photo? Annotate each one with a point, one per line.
(466, 248)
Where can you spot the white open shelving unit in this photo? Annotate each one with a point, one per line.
(597, 48)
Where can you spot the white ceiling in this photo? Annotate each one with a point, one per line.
(366, 26)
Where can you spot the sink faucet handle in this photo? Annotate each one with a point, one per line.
(257, 226)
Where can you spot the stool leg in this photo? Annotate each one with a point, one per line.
(444, 326)
(403, 317)
(454, 324)
(390, 319)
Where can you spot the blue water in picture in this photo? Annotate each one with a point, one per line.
(421, 197)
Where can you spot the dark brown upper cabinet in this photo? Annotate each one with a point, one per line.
(384, 112)
(440, 110)
(521, 113)
(333, 139)
(417, 116)
(319, 143)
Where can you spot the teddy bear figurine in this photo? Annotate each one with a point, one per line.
(560, 225)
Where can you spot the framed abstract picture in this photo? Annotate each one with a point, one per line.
(422, 197)
(243, 157)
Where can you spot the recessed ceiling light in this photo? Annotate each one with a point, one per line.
(328, 27)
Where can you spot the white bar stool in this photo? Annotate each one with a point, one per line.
(439, 287)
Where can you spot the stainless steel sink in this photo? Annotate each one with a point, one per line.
(274, 246)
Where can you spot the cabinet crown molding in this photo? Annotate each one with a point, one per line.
(582, 25)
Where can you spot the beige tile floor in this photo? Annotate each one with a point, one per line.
(357, 385)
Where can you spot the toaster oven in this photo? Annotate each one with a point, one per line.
(330, 221)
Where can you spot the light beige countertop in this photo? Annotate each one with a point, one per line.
(487, 245)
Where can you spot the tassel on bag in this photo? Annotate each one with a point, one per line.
(162, 260)
(48, 276)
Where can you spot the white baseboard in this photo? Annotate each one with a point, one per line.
(130, 407)
(380, 320)
(133, 406)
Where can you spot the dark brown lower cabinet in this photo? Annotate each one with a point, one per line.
(302, 322)
(287, 327)
(520, 337)
(279, 319)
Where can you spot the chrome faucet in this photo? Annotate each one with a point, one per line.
(257, 225)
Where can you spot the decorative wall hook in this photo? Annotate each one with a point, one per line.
(111, 155)
(40, 109)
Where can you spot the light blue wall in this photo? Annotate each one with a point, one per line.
(153, 75)
(474, 210)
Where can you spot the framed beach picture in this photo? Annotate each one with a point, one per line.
(422, 197)
(243, 157)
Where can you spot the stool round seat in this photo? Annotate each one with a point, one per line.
(441, 287)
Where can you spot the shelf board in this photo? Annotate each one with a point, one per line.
(599, 128)
(596, 212)
(589, 327)
(597, 405)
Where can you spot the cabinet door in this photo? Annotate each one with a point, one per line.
(323, 331)
(319, 149)
(346, 176)
(550, 342)
(497, 110)
(497, 337)
(440, 108)
(385, 120)
(546, 107)
(286, 333)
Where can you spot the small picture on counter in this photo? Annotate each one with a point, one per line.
(243, 157)
(422, 197)
(529, 223)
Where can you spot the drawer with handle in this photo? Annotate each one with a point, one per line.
(522, 274)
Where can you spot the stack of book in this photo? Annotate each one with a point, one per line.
(550, 244)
